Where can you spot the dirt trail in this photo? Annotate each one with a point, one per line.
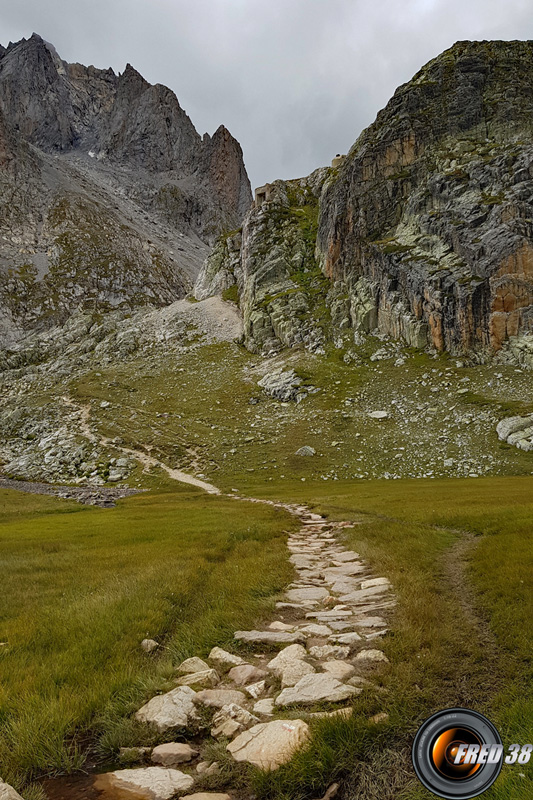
(146, 460)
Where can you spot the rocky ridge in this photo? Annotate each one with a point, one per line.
(422, 233)
(110, 198)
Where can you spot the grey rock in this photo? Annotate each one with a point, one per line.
(174, 709)
(270, 744)
(172, 754)
(269, 637)
(315, 689)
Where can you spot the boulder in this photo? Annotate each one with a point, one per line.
(270, 744)
(306, 451)
(174, 709)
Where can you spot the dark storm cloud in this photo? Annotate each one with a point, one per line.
(294, 80)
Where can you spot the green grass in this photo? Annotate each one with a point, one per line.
(441, 654)
(81, 587)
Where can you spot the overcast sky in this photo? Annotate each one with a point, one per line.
(294, 80)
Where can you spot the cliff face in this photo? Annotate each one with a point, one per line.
(425, 231)
(109, 196)
(272, 264)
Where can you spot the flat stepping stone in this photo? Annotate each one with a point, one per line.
(306, 593)
(207, 678)
(363, 594)
(174, 709)
(343, 571)
(375, 582)
(316, 630)
(269, 637)
(329, 615)
(280, 626)
(327, 651)
(370, 622)
(221, 658)
(315, 689)
(350, 638)
(347, 555)
(172, 754)
(157, 783)
(218, 698)
(270, 744)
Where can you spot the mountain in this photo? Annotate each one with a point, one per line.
(424, 232)
(108, 195)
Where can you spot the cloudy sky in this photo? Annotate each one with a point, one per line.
(294, 80)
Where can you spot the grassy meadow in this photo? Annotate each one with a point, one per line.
(460, 556)
(82, 586)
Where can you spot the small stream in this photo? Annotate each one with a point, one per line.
(86, 787)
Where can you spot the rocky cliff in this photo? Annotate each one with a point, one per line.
(108, 195)
(425, 231)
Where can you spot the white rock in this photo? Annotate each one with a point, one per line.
(255, 690)
(306, 593)
(265, 707)
(375, 582)
(378, 415)
(191, 665)
(207, 678)
(350, 638)
(149, 645)
(328, 651)
(230, 720)
(174, 709)
(223, 659)
(280, 626)
(342, 670)
(173, 753)
(157, 783)
(206, 796)
(7, 792)
(316, 630)
(246, 674)
(269, 637)
(371, 655)
(315, 689)
(218, 698)
(270, 744)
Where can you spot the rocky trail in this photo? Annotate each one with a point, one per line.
(318, 653)
(309, 662)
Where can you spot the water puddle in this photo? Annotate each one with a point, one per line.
(88, 787)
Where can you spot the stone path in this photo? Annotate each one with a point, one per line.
(312, 660)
